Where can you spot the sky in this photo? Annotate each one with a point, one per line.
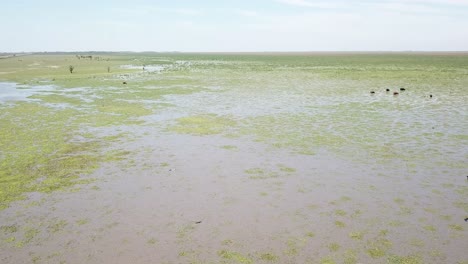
(236, 26)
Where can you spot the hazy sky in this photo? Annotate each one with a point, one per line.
(242, 25)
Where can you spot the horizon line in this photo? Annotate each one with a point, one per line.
(238, 52)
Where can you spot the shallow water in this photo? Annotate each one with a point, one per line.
(309, 169)
(15, 92)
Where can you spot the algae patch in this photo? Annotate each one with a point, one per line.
(201, 125)
(40, 151)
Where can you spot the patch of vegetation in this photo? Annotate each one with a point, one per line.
(340, 224)
(461, 205)
(396, 223)
(235, 256)
(57, 226)
(184, 231)
(340, 212)
(202, 125)
(404, 210)
(269, 257)
(254, 171)
(83, 221)
(356, 213)
(404, 260)
(229, 147)
(151, 241)
(327, 260)
(456, 227)
(57, 99)
(417, 242)
(294, 245)
(286, 169)
(378, 248)
(356, 235)
(227, 242)
(9, 229)
(38, 154)
(430, 228)
(350, 257)
(334, 247)
(345, 199)
(260, 174)
(29, 234)
(399, 201)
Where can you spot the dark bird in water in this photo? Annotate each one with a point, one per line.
(372, 92)
(395, 93)
(387, 90)
(402, 89)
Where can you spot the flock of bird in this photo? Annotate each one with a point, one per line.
(395, 92)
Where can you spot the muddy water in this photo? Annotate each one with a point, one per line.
(186, 199)
(393, 190)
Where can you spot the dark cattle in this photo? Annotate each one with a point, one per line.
(430, 96)
(372, 92)
(124, 83)
(387, 90)
(402, 89)
(395, 93)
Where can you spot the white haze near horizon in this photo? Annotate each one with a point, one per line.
(262, 25)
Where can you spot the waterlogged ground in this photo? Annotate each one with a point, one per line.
(241, 158)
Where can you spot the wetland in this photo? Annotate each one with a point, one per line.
(234, 158)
